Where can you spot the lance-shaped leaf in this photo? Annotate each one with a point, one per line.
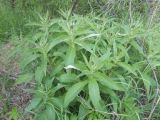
(47, 114)
(28, 59)
(68, 78)
(34, 103)
(39, 74)
(24, 78)
(108, 82)
(70, 56)
(94, 94)
(55, 41)
(127, 67)
(73, 92)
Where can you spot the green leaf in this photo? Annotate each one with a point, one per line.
(70, 56)
(86, 61)
(114, 48)
(34, 103)
(13, 115)
(83, 112)
(59, 86)
(44, 62)
(108, 82)
(122, 80)
(68, 77)
(137, 47)
(39, 74)
(88, 46)
(57, 69)
(47, 114)
(127, 67)
(131, 109)
(48, 82)
(114, 98)
(54, 42)
(73, 117)
(147, 81)
(58, 102)
(50, 113)
(28, 59)
(94, 93)
(124, 52)
(73, 92)
(24, 78)
(33, 24)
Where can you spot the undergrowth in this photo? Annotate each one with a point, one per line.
(90, 67)
(98, 60)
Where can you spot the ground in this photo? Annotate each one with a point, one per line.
(11, 95)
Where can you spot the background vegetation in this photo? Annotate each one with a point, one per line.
(79, 59)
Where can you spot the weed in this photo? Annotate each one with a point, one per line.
(91, 63)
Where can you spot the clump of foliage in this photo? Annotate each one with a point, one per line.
(12, 10)
(103, 65)
(16, 13)
(89, 67)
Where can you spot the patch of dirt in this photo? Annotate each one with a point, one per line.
(12, 95)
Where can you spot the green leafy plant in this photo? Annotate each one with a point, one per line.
(13, 114)
(85, 67)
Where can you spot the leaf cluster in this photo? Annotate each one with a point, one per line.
(87, 67)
